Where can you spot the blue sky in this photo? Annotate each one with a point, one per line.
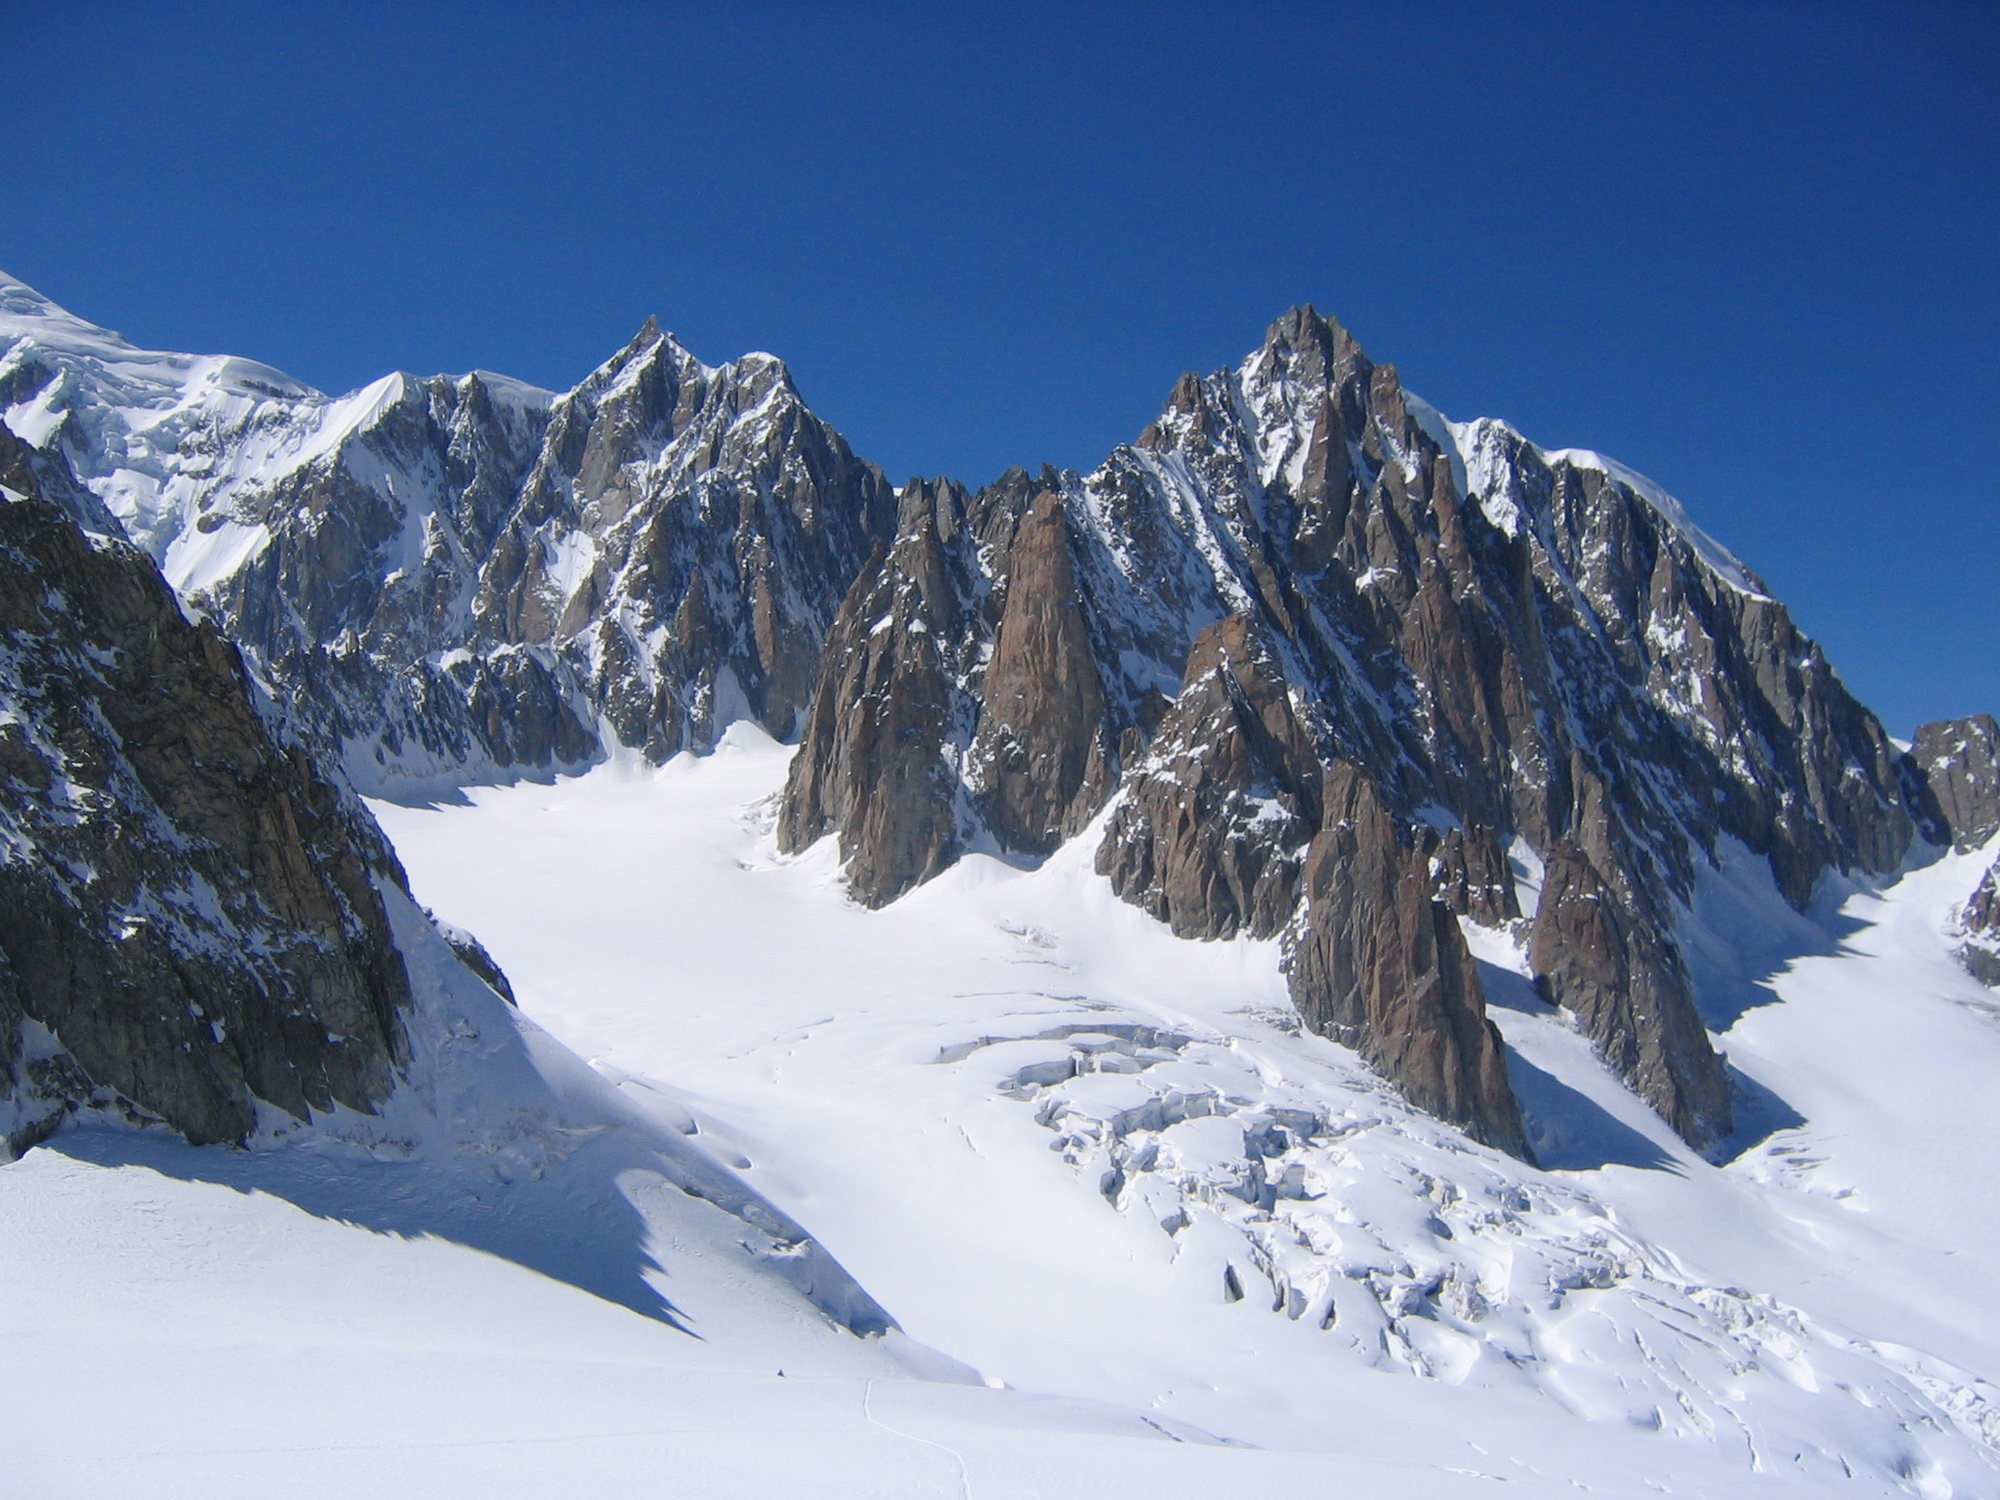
(1751, 250)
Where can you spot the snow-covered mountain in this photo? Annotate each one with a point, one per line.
(468, 578)
(1335, 926)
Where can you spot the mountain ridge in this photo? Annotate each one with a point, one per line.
(1529, 665)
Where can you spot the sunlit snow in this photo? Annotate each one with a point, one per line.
(1094, 1161)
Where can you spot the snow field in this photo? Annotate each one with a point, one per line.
(1058, 1144)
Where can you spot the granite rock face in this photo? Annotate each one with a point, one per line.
(1041, 758)
(190, 912)
(1474, 877)
(1600, 954)
(1957, 767)
(1380, 964)
(683, 543)
(888, 722)
(1979, 923)
(1210, 834)
(974, 604)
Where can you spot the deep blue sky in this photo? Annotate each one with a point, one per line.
(1753, 251)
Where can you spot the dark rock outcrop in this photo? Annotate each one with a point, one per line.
(472, 953)
(875, 761)
(1474, 878)
(1603, 956)
(1979, 922)
(1602, 947)
(1957, 769)
(960, 697)
(190, 916)
(1380, 964)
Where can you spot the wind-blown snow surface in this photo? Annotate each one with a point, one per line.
(1096, 1162)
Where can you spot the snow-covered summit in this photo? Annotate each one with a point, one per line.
(477, 575)
(1483, 443)
(162, 437)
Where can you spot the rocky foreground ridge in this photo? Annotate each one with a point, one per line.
(191, 924)
(1307, 661)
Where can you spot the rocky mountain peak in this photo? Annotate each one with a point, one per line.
(1300, 565)
(1313, 352)
(467, 577)
(652, 344)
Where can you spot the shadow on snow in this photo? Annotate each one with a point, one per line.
(573, 1224)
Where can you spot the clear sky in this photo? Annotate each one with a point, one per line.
(1751, 250)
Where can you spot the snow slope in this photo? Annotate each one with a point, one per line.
(509, 1282)
(178, 1328)
(1099, 1163)
(507, 1285)
(1057, 1144)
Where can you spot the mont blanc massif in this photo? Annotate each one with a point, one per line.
(588, 943)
